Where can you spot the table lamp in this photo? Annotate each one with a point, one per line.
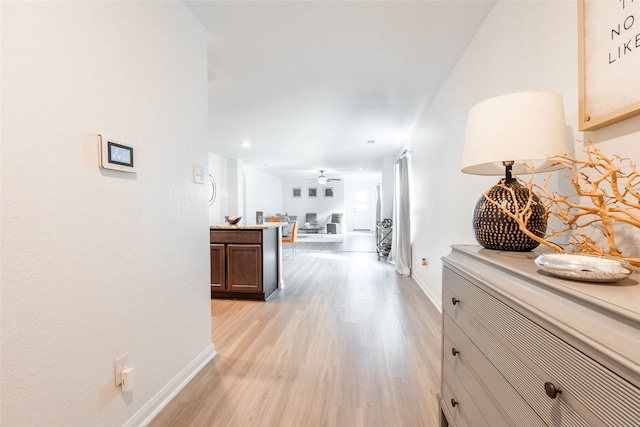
(505, 134)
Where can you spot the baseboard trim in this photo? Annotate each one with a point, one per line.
(437, 302)
(168, 392)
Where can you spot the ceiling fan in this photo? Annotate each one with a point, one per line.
(322, 179)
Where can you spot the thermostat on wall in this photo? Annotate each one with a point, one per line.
(115, 155)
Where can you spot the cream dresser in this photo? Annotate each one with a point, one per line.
(522, 348)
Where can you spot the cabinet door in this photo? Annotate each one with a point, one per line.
(217, 266)
(244, 268)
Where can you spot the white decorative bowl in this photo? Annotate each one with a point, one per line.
(588, 268)
(232, 220)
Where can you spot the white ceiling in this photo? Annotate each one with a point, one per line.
(308, 83)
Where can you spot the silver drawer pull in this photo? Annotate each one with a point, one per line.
(454, 300)
(454, 402)
(551, 390)
(454, 351)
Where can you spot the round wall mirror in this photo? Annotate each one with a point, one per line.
(212, 190)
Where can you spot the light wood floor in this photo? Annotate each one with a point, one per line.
(348, 342)
(357, 241)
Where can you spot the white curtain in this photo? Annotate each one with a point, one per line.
(378, 203)
(400, 254)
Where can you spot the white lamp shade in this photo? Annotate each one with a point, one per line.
(520, 127)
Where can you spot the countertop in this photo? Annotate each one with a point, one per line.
(247, 227)
(622, 297)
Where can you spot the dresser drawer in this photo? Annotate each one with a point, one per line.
(588, 388)
(517, 370)
(452, 413)
(457, 403)
(508, 402)
(482, 399)
(235, 236)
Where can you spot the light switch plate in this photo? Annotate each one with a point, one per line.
(198, 174)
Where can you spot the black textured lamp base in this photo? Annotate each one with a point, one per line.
(494, 229)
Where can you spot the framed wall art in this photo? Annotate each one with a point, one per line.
(328, 191)
(296, 192)
(313, 192)
(609, 60)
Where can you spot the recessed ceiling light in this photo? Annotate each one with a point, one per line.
(246, 144)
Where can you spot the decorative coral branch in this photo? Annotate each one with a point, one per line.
(609, 193)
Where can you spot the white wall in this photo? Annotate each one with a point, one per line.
(263, 192)
(388, 177)
(523, 45)
(97, 263)
(320, 205)
(258, 191)
(235, 189)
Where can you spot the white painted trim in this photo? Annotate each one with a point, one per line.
(168, 392)
(434, 299)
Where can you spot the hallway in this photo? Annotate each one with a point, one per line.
(348, 342)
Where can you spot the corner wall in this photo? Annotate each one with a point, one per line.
(522, 45)
(260, 191)
(98, 263)
(263, 192)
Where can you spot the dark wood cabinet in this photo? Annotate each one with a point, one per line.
(217, 266)
(243, 262)
(244, 268)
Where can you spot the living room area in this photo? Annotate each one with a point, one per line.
(334, 212)
(317, 209)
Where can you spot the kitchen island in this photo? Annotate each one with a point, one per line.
(246, 261)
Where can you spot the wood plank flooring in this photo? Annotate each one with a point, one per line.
(348, 342)
(354, 242)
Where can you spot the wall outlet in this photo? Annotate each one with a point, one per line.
(117, 367)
